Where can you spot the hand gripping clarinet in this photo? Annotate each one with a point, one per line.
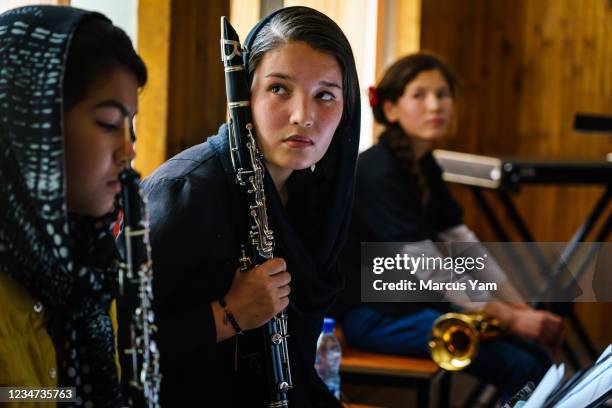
(247, 162)
(138, 353)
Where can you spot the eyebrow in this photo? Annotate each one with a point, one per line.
(290, 78)
(112, 103)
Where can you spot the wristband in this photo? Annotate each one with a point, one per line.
(229, 317)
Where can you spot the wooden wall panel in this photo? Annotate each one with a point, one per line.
(408, 22)
(526, 67)
(197, 82)
(184, 100)
(154, 48)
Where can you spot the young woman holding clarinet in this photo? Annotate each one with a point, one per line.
(211, 304)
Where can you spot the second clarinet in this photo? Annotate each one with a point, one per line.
(139, 356)
(249, 171)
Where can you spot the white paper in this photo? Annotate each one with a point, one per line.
(547, 385)
(593, 386)
(605, 353)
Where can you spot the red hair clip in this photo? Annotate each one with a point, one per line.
(373, 95)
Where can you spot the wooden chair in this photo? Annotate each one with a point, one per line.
(362, 367)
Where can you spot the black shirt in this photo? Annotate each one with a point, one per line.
(198, 222)
(387, 208)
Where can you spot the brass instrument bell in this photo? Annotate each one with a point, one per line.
(454, 338)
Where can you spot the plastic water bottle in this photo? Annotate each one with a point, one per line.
(329, 354)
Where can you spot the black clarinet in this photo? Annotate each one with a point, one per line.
(138, 353)
(249, 171)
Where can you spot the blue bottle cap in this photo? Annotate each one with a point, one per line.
(328, 325)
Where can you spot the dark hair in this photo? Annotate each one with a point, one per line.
(390, 88)
(98, 46)
(321, 33)
(295, 24)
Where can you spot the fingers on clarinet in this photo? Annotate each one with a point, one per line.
(276, 265)
(284, 291)
(282, 279)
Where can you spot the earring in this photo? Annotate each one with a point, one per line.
(312, 168)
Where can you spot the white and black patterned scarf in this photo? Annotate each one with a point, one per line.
(65, 261)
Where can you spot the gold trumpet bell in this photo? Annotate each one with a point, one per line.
(454, 339)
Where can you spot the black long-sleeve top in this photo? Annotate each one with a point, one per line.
(387, 208)
(198, 221)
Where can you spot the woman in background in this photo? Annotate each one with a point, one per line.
(400, 197)
(68, 80)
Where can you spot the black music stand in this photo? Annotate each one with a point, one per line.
(504, 177)
(501, 177)
(568, 253)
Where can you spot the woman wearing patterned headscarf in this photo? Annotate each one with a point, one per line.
(68, 80)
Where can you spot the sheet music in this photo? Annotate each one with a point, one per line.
(593, 386)
(547, 385)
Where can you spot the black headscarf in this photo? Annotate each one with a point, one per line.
(67, 262)
(199, 218)
(319, 205)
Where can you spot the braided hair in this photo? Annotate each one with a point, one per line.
(390, 88)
